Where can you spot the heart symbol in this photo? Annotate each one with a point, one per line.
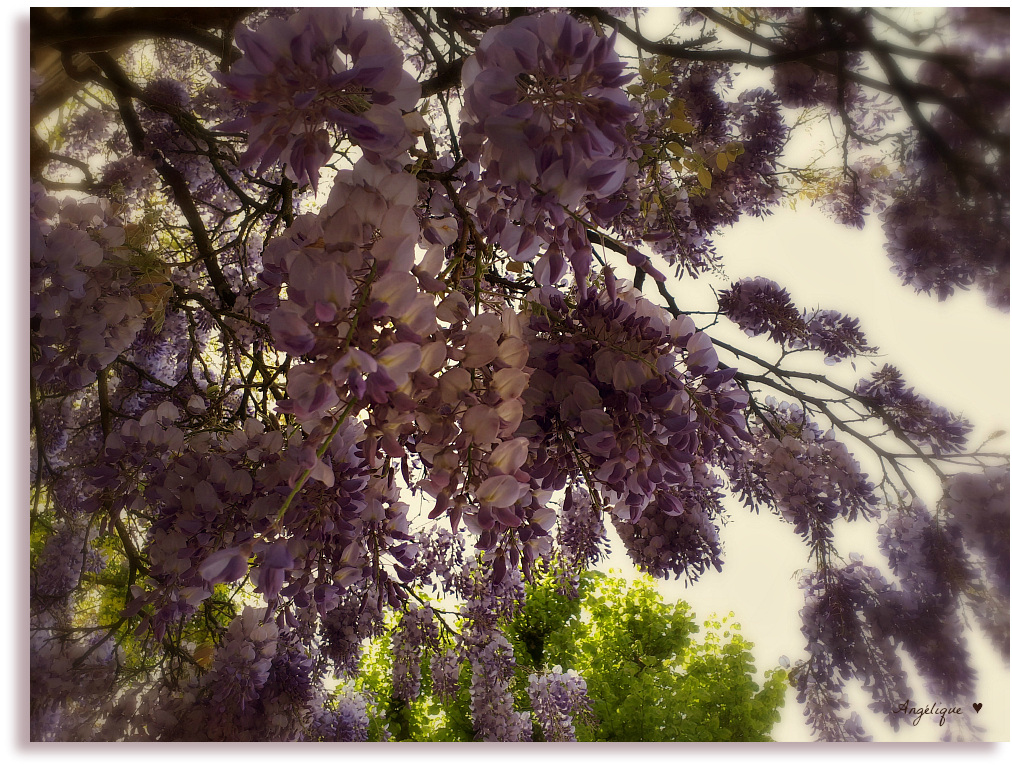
(977, 707)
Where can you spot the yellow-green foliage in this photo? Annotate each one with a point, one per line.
(653, 676)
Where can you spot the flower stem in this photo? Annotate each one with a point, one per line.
(319, 454)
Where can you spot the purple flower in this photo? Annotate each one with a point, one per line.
(760, 306)
(545, 106)
(922, 420)
(298, 86)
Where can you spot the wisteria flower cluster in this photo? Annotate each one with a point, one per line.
(845, 622)
(546, 130)
(625, 399)
(347, 721)
(979, 507)
(558, 698)
(913, 414)
(932, 570)
(493, 713)
(546, 108)
(417, 631)
(84, 306)
(705, 159)
(318, 70)
(947, 225)
(761, 307)
(685, 544)
(582, 537)
(349, 264)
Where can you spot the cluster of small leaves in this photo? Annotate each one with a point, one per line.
(651, 680)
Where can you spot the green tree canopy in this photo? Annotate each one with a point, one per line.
(651, 674)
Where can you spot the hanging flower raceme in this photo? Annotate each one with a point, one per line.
(416, 632)
(557, 699)
(319, 70)
(932, 567)
(353, 617)
(347, 721)
(582, 537)
(84, 311)
(544, 105)
(345, 272)
(916, 416)
(624, 398)
(545, 127)
(836, 335)
(439, 560)
(760, 306)
(354, 304)
(445, 670)
(847, 622)
(463, 429)
(225, 506)
(683, 544)
(493, 711)
(241, 667)
(979, 505)
(807, 475)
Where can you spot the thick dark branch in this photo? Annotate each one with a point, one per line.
(121, 86)
(444, 79)
(692, 51)
(860, 40)
(105, 410)
(810, 56)
(77, 34)
(423, 33)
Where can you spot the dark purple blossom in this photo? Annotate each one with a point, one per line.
(847, 621)
(920, 419)
(760, 306)
(315, 71)
(932, 569)
(836, 335)
(979, 507)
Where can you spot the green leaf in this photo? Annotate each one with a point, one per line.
(677, 125)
